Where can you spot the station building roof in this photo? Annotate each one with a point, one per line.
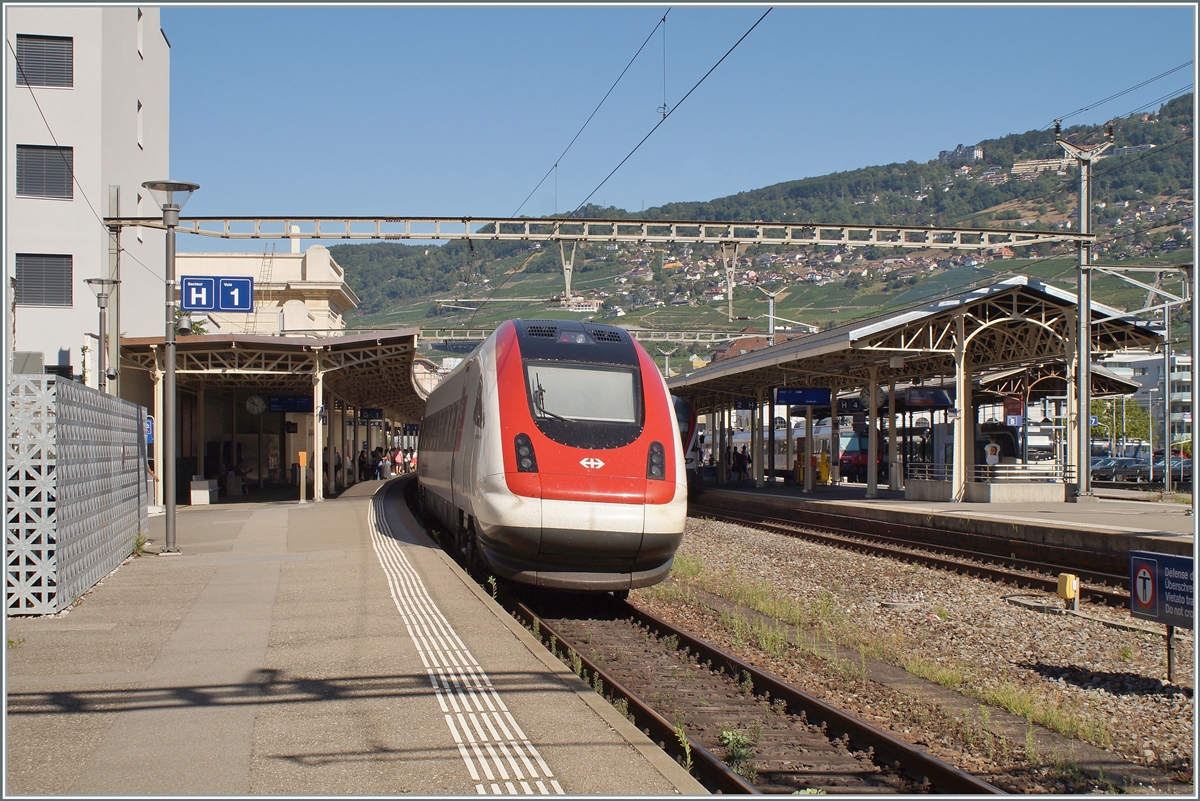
(372, 370)
(1016, 323)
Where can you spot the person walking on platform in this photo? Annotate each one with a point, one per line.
(362, 464)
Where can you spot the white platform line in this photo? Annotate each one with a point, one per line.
(465, 694)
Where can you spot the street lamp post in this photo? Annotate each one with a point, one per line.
(171, 197)
(1150, 429)
(103, 288)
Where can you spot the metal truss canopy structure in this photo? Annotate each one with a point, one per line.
(573, 230)
(363, 370)
(642, 335)
(1017, 323)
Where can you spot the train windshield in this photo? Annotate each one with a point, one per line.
(585, 405)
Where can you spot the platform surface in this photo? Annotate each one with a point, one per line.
(1146, 524)
(327, 648)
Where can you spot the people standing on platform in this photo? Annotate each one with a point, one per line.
(337, 468)
(362, 464)
(991, 454)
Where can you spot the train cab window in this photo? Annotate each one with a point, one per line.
(585, 405)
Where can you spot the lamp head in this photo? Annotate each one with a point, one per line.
(101, 288)
(171, 193)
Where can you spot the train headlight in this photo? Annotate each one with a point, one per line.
(526, 458)
(656, 464)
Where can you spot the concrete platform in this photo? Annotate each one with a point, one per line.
(316, 649)
(1114, 525)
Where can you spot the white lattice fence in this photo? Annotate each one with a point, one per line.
(76, 497)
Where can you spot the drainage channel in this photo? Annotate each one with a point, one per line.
(739, 729)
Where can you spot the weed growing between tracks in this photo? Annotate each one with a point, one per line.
(821, 625)
(797, 654)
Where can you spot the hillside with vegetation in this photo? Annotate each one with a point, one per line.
(1142, 197)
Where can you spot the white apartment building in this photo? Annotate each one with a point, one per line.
(87, 102)
(1148, 369)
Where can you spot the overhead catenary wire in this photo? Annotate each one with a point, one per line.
(672, 111)
(554, 167)
(1123, 92)
(71, 167)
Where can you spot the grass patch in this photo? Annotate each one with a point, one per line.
(822, 623)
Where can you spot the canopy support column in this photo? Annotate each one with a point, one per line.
(873, 433)
(962, 402)
(318, 430)
(809, 480)
(202, 436)
(894, 473)
(756, 440)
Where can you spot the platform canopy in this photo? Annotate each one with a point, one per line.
(363, 370)
(1049, 380)
(1017, 323)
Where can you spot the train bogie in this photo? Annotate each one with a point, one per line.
(556, 459)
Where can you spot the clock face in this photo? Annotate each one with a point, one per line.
(255, 404)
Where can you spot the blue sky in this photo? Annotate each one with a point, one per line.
(452, 111)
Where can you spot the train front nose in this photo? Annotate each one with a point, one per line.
(591, 523)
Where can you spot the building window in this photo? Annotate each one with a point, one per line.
(44, 280)
(45, 61)
(45, 171)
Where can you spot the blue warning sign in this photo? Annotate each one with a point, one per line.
(1161, 588)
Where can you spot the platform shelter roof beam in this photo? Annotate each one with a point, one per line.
(366, 370)
(1014, 323)
(563, 230)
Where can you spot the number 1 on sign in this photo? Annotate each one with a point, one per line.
(234, 292)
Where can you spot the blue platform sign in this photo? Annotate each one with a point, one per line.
(149, 430)
(791, 396)
(744, 404)
(236, 294)
(412, 429)
(201, 293)
(1161, 588)
(371, 414)
(197, 293)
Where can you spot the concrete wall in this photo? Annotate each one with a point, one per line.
(98, 118)
(916, 489)
(1016, 492)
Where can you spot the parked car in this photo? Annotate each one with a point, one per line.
(1106, 468)
(1141, 472)
(1181, 470)
(1136, 471)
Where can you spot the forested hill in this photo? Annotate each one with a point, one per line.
(959, 192)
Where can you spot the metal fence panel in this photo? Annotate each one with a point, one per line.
(29, 503)
(76, 491)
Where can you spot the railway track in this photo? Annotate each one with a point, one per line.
(987, 557)
(740, 729)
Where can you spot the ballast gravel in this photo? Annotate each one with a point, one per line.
(1112, 679)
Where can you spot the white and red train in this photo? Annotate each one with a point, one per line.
(553, 454)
